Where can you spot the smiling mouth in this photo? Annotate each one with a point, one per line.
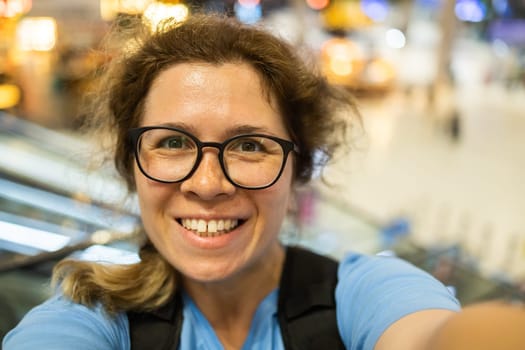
(210, 228)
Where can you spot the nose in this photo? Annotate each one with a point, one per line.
(208, 181)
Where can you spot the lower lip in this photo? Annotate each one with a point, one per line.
(216, 242)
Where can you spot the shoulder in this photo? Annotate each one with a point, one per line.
(373, 292)
(62, 324)
(381, 273)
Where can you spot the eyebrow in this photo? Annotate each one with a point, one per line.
(247, 129)
(230, 132)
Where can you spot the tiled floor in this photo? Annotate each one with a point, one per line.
(468, 190)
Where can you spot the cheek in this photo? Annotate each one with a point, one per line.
(150, 194)
(137, 175)
(140, 185)
(277, 199)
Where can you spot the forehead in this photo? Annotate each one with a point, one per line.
(205, 96)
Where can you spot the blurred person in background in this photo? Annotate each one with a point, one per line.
(214, 125)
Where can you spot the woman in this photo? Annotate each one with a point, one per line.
(215, 123)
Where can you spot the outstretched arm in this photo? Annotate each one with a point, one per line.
(387, 303)
(483, 326)
(60, 324)
(415, 331)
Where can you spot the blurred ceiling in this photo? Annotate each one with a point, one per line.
(67, 9)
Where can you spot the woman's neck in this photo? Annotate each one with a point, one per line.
(229, 305)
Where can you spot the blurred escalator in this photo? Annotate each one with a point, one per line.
(51, 207)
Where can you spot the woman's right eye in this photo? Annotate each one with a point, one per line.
(177, 142)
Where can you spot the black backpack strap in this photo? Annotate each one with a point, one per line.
(306, 307)
(158, 329)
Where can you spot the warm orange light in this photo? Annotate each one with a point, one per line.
(344, 63)
(338, 55)
(110, 8)
(9, 95)
(156, 12)
(133, 6)
(317, 4)
(13, 8)
(36, 34)
(345, 15)
(379, 71)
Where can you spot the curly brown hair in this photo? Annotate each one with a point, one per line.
(309, 105)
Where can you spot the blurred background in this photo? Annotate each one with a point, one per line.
(436, 175)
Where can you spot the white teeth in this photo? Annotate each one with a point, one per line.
(210, 228)
(201, 227)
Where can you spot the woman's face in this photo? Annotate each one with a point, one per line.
(214, 103)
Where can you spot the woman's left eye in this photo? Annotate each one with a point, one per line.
(247, 145)
(250, 146)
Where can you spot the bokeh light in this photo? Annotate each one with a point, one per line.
(9, 95)
(395, 38)
(13, 8)
(377, 10)
(36, 34)
(340, 54)
(317, 4)
(248, 14)
(470, 10)
(156, 12)
(249, 3)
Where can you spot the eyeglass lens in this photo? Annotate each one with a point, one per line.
(249, 161)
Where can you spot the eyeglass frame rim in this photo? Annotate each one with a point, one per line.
(134, 135)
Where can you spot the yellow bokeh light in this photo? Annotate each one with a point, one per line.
(9, 95)
(110, 8)
(345, 15)
(339, 55)
(133, 6)
(379, 71)
(340, 66)
(13, 8)
(156, 12)
(36, 34)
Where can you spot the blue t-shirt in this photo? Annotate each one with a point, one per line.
(372, 293)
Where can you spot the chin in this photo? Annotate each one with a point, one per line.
(211, 271)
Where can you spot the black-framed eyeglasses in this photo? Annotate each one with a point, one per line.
(169, 155)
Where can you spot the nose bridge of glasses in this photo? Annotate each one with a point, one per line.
(203, 145)
(213, 161)
(217, 145)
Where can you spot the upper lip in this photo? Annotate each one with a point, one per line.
(208, 217)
